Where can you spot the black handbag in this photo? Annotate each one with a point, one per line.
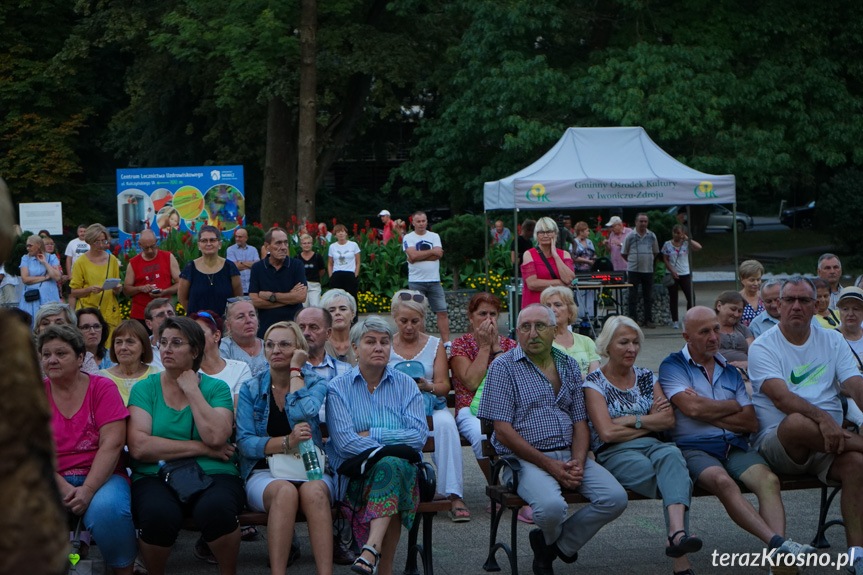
(31, 295)
(185, 477)
(357, 465)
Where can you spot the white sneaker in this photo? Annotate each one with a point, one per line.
(675, 325)
(857, 567)
(795, 548)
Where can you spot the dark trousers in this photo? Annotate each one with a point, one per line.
(346, 281)
(645, 280)
(685, 284)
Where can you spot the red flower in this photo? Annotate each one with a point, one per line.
(368, 224)
(294, 218)
(258, 225)
(334, 221)
(275, 224)
(116, 250)
(355, 228)
(127, 244)
(372, 256)
(362, 231)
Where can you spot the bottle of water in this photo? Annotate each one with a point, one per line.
(310, 460)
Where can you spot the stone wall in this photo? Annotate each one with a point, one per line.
(661, 306)
(456, 303)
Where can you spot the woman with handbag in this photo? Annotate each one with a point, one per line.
(373, 407)
(89, 425)
(545, 265)
(182, 462)
(276, 411)
(39, 276)
(89, 273)
(423, 358)
(675, 253)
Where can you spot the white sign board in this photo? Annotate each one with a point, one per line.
(41, 216)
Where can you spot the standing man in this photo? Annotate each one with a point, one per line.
(830, 270)
(533, 395)
(424, 251)
(639, 250)
(243, 255)
(794, 371)
(500, 235)
(155, 314)
(75, 248)
(565, 238)
(713, 419)
(277, 284)
(392, 228)
(151, 274)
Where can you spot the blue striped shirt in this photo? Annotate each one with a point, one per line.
(393, 414)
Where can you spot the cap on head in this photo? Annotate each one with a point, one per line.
(851, 293)
(613, 220)
(384, 213)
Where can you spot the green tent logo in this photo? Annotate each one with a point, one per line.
(704, 190)
(537, 194)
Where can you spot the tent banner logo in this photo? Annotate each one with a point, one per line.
(536, 193)
(704, 190)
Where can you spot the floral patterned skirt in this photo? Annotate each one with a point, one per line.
(390, 488)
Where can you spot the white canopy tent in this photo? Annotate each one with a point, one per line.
(607, 167)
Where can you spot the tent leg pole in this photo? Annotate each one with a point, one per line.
(691, 267)
(736, 258)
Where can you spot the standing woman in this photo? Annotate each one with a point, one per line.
(750, 273)
(242, 342)
(39, 277)
(675, 252)
(51, 249)
(343, 264)
(369, 407)
(545, 265)
(89, 273)
(314, 266)
(577, 346)
(583, 257)
(132, 353)
(208, 281)
(343, 307)
(95, 330)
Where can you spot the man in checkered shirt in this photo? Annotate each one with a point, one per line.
(533, 395)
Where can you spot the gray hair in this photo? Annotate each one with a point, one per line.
(827, 257)
(66, 333)
(798, 280)
(331, 295)
(371, 323)
(552, 320)
(55, 308)
(398, 303)
(546, 225)
(610, 328)
(769, 284)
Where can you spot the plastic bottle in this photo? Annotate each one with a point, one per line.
(310, 460)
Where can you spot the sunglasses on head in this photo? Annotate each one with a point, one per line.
(239, 298)
(417, 297)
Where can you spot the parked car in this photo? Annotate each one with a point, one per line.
(799, 217)
(721, 218)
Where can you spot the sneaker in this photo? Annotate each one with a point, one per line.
(795, 548)
(857, 567)
(675, 325)
(446, 348)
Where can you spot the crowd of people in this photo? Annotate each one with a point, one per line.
(228, 395)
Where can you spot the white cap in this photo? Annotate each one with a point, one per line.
(613, 220)
(384, 213)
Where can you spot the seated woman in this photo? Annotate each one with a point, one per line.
(373, 406)
(241, 341)
(231, 371)
(826, 317)
(579, 347)
(627, 410)
(736, 337)
(181, 414)
(470, 356)
(411, 344)
(89, 425)
(132, 353)
(95, 330)
(271, 422)
(56, 313)
(343, 307)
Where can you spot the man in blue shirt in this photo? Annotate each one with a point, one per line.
(243, 255)
(277, 284)
(533, 395)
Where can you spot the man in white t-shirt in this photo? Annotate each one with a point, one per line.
(75, 248)
(424, 251)
(794, 371)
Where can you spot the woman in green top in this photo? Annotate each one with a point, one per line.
(178, 414)
(578, 347)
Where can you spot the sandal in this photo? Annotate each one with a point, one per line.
(363, 566)
(249, 533)
(525, 515)
(460, 513)
(686, 544)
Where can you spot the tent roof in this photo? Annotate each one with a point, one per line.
(602, 167)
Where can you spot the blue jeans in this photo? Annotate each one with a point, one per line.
(109, 519)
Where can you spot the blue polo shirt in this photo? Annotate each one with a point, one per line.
(265, 277)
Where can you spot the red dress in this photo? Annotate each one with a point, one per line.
(538, 268)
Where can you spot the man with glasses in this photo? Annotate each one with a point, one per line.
(277, 284)
(639, 250)
(794, 371)
(155, 314)
(243, 255)
(424, 251)
(151, 274)
(533, 395)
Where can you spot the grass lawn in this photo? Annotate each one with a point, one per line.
(719, 248)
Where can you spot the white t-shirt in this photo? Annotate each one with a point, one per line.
(425, 271)
(234, 374)
(8, 280)
(811, 371)
(343, 256)
(75, 248)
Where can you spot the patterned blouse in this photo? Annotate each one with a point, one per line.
(749, 313)
(635, 401)
(467, 346)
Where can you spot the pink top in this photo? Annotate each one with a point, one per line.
(538, 268)
(467, 346)
(77, 438)
(615, 243)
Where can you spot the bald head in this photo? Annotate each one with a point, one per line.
(147, 243)
(148, 235)
(702, 335)
(696, 314)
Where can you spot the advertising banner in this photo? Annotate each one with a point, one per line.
(35, 217)
(184, 199)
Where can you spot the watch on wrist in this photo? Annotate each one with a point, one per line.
(637, 421)
(273, 298)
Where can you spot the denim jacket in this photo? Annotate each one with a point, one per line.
(253, 411)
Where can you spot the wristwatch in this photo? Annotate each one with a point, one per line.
(637, 421)
(272, 298)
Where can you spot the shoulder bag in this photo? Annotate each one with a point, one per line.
(185, 476)
(290, 465)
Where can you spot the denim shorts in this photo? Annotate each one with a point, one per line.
(433, 291)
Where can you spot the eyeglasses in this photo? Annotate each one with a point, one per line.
(101, 242)
(271, 345)
(147, 248)
(545, 233)
(90, 327)
(417, 297)
(538, 326)
(209, 241)
(165, 313)
(790, 300)
(174, 343)
(239, 298)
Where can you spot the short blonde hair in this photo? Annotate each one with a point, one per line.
(564, 294)
(545, 224)
(94, 231)
(610, 328)
(306, 237)
(398, 303)
(750, 269)
(293, 328)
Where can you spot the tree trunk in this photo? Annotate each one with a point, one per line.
(279, 197)
(307, 144)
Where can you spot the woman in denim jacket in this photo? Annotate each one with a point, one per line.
(276, 411)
